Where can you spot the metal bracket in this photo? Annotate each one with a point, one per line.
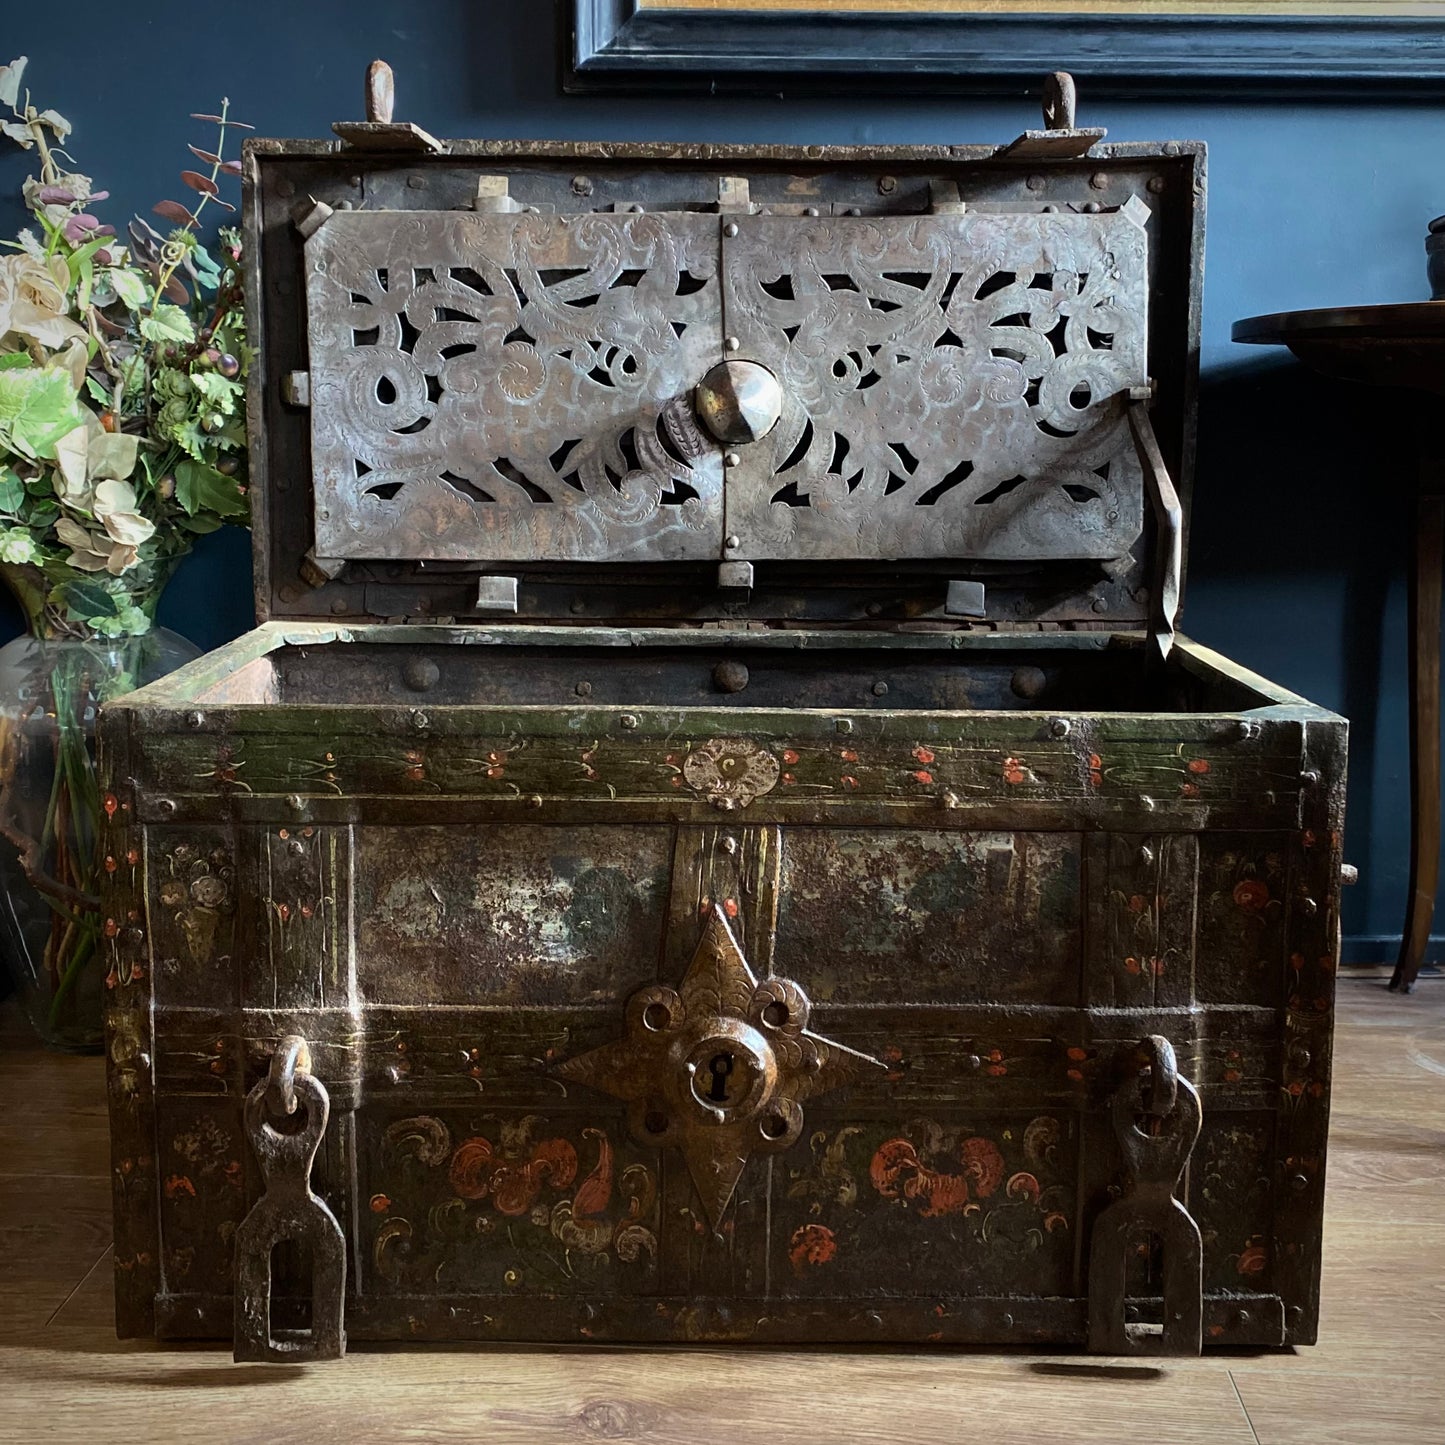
(296, 389)
(1155, 1159)
(1061, 140)
(494, 196)
(965, 599)
(1169, 519)
(734, 196)
(318, 571)
(378, 132)
(944, 199)
(496, 594)
(288, 1210)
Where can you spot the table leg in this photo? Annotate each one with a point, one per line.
(1424, 720)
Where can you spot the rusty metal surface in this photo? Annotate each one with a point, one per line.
(952, 386)
(512, 386)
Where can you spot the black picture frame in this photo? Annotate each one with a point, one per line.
(617, 45)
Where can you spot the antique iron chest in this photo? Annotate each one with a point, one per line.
(715, 837)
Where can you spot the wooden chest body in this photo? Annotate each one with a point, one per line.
(773, 964)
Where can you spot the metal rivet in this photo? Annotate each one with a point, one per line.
(853, 211)
(1308, 907)
(1145, 856)
(949, 799)
(730, 845)
(416, 183)
(843, 725)
(732, 344)
(1243, 1317)
(810, 210)
(583, 689)
(296, 848)
(339, 605)
(732, 543)
(581, 185)
(535, 800)
(874, 609)
(1156, 184)
(1091, 208)
(1008, 1321)
(1299, 1183)
(732, 459)
(1099, 180)
(887, 185)
(880, 689)
(1310, 778)
(628, 721)
(1147, 803)
(730, 676)
(1035, 183)
(296, 803)
(1028, 682)
(1100, 604)
(166, 806)
(731, 229)
(1050, 210)
(1059, 727)
(1171, 148)
(577, 605)
(419, 720)
(195, 719)
(1243, 731)
(286, 189)
(420, 674)
(973, 1063)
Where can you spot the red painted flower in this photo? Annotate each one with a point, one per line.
(177, 1185)
(811, 1244)
(1013, 771)
(1250, 895)
(924, 755)
(1252, 1259)
(471, 1168)
(1023, 1186)
(380, 1203)
(1198, 766)
(982, 1163)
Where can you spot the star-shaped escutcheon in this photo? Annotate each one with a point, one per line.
(718, 1067)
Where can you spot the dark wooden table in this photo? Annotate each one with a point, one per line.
(1401, 347)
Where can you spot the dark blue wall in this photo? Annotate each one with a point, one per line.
(1300, 506)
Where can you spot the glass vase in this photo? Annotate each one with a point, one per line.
(52, 682)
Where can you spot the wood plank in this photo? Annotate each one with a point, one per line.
(1286, 1406)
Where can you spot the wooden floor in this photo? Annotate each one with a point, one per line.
(1378, 1375)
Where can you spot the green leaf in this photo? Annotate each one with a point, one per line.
(101, 395)
(12, 491)
(129, 286)
(87, 599)
(203, 523)
(14, 360)
(201, 488)
(167, 323)
(38, 406)
(217, 389)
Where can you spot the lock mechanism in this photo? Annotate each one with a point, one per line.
(739, 402)
(718, 1067)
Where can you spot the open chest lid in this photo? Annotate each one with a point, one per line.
(930, 385)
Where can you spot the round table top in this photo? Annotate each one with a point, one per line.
(1401, 321)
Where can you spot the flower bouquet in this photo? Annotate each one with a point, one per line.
(122, 437)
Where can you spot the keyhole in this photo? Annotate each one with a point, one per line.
(721, 1067)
